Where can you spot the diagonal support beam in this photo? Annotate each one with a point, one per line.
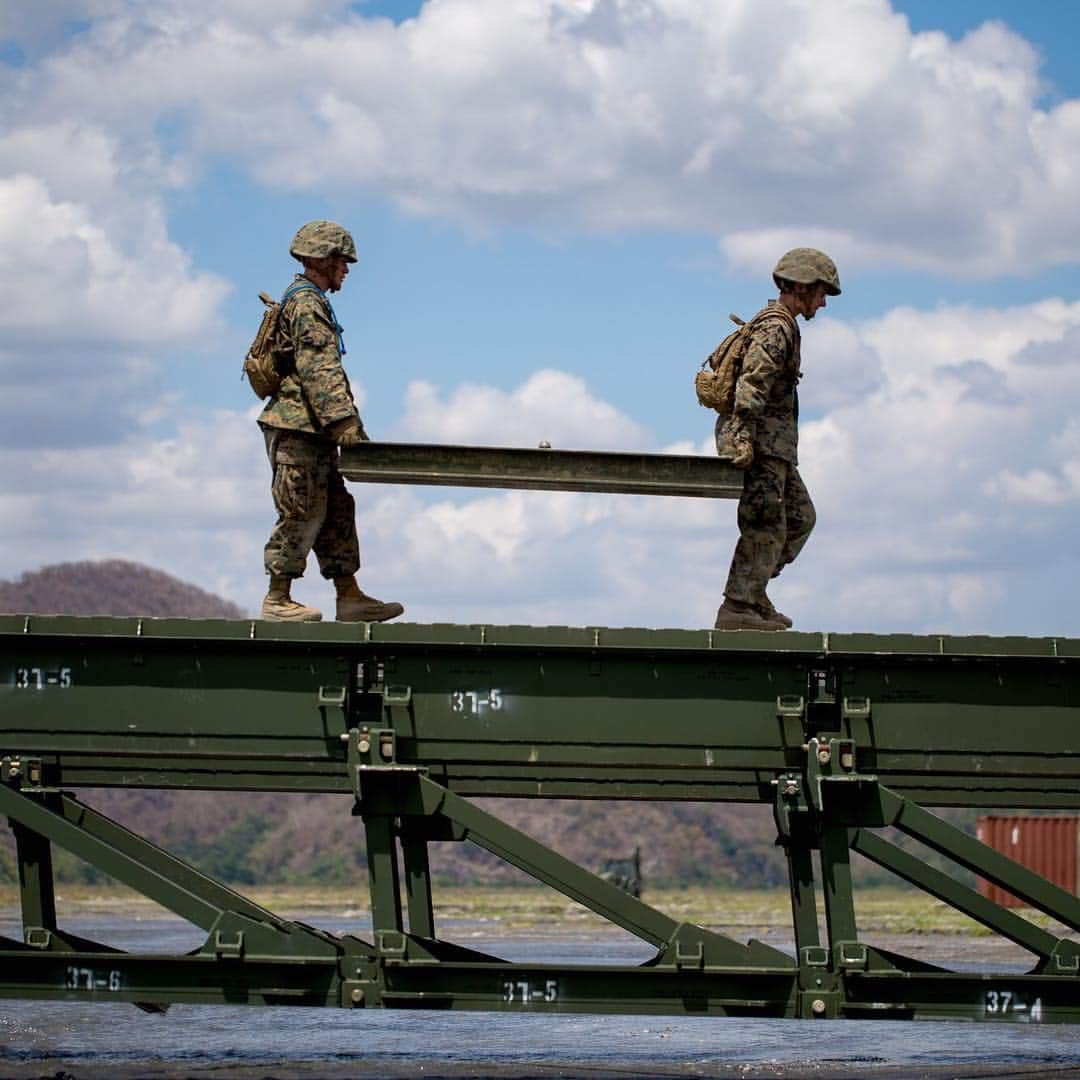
(681, 943)
(545, 865)
(136, 862)
(980, 858)
(965, 900)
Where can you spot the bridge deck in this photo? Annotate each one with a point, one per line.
(585, 712)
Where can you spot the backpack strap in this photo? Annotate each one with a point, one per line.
(303, 286)
(782, 314)
(778, 312)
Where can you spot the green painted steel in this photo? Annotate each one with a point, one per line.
(551, 711)
(845, 736)
(542, 469)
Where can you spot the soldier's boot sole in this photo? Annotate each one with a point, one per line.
(367, 610)
(726, 619)
(288, 611)
(777, 624)
(777, 617)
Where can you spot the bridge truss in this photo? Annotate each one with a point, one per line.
(846, 736)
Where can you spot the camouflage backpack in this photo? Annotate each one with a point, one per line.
(265, 364)
(720, 370)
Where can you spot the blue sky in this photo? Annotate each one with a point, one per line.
(556, 204)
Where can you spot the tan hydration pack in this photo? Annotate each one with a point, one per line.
(720, 370)
(265, 363)
(260, 365)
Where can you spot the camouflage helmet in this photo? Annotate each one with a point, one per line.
(807, 266)
(322, 239)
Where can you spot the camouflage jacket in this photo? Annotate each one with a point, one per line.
(315, 393)
(766, 398)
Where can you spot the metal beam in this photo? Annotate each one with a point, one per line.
(542, 470)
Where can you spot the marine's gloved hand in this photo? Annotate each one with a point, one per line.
(742, 449)
(348, 432)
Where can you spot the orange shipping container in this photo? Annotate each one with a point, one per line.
(1047, 845)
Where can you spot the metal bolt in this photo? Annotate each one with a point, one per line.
(364, 745)
(357, 996)
(13, 772)
(817, 1006)
(823, 755)
(545, 445)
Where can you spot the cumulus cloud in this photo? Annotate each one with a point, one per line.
(760, 122)
(943, 495)
(551, 406)
(196, 505)
(95, 290)
(96, 293)
(839, 367)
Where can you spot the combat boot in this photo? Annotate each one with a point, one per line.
(279, 606)
(354, 605)
(735, 615)
(770, 614)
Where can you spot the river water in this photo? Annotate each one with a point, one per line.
(108, 1039)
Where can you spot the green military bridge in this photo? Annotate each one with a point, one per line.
(848, 737)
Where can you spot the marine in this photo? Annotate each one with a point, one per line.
(761, 436)
(304, 424)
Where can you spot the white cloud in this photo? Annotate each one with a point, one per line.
(550, 405)
(838, 367)
(197, 506)
(762, 123)
(944, 494)
(95, 291)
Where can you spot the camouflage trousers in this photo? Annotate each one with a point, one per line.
(314, 509)
(775, 518)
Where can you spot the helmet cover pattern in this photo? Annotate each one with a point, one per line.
(807, 266)
(321, 240)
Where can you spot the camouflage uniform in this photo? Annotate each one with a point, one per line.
(775, 511)
(314, 509)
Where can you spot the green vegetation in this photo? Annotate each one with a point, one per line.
(226, 856)
(534, 910)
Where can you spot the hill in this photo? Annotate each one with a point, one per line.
(112, 587)
(266, 838)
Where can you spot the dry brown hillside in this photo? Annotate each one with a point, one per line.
(112, 587)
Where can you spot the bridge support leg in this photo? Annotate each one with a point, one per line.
(383, 878)
(418, 887)
(798, 846)
(836, 882)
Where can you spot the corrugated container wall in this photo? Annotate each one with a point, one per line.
(1047, 845)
